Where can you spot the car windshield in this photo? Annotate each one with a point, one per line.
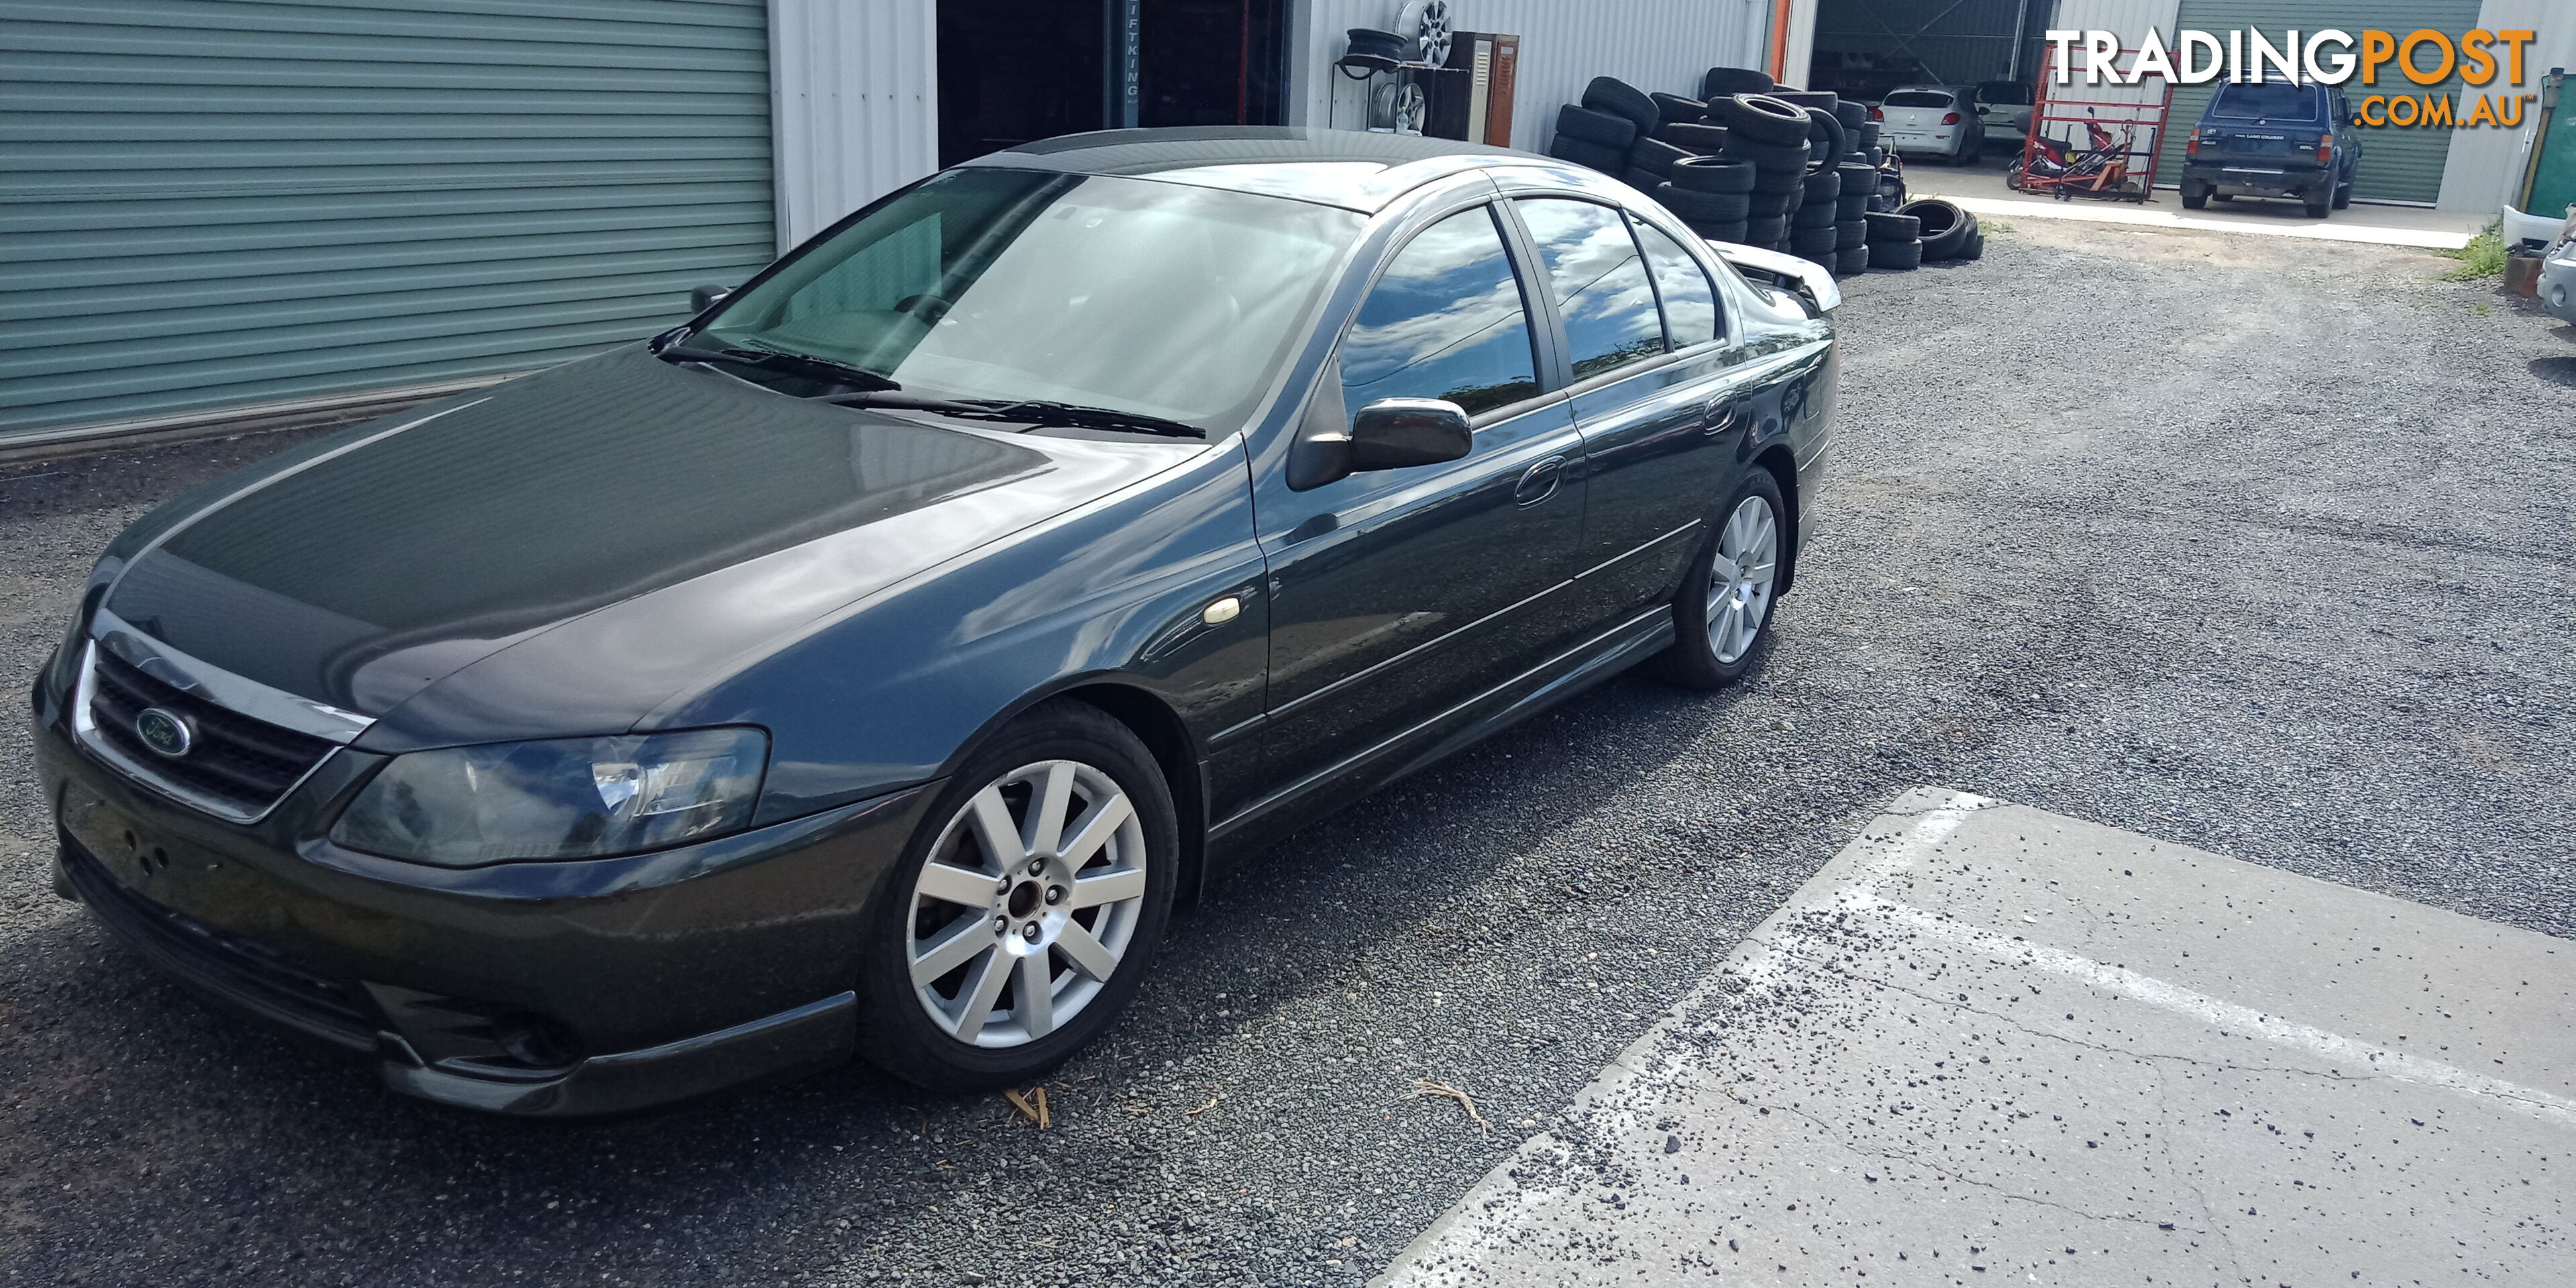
(2278, 101)
(1917, 98)
(1162, 299)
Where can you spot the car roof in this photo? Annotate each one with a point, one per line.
(1353, 169)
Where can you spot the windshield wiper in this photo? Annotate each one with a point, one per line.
(775, 360)
(1023, 412)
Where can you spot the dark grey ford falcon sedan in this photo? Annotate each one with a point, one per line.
(869, 665)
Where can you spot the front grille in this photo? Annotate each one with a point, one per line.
(241, 764)
(246, 973)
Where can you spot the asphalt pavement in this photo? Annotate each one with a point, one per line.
(2244, 543)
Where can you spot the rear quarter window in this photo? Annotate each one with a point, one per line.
(1918, 98)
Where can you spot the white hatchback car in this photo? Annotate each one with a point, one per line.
(2004, 108)
(1935, 120)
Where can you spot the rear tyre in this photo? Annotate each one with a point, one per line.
(1722, 614)
(2343, 195)
(1027, 908)
(2195, 194)
(2320, 206)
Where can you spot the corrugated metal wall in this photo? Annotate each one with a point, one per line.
(217, 203)
(1653, 44)
(858, 105)
(2484, 169)
(2396, 164)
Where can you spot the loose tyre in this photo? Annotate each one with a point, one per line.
(1825, 186)
(1815, 214)
(1825, 137)
(1704, 207)
(1619, 98)
(1944, 227)
(1852, 261)
(1899, 255)
(1589, 155)
(1642, 179)
(1722, 614)
(1775, 205)
(1726, 232)
(1976, 248)
(1776, 158)
(1761, 118)
(1885, 227)
(1851, 234)
(1727, 82)
(1852, 115)
(1868, 140)
(1027, 909)
(1602, 129)
(1713, 174)
(1858, 177)
(1700, 138)
(1762, 230)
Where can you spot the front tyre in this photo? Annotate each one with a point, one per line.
(1026, 910)
(1722, 614)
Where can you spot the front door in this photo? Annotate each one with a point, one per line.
(1399, 595)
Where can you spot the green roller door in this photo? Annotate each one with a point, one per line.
(217, 204)
(2396, 164)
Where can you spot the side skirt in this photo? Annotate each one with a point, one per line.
(1464, 725)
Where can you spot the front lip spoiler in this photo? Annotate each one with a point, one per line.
(799, 1040)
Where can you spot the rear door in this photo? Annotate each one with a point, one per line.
(1650, 373)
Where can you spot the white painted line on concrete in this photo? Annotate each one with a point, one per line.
(1905, 850)
(2380, 1061)
(2424, 238)
(1811, 1112)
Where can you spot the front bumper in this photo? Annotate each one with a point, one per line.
(2557, 287)
(524, 988)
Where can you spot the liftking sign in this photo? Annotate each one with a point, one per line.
(2330, 57)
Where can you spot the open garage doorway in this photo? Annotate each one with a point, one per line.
(1864, 48)
(1011, 71)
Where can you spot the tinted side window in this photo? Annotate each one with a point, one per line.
(1690, 303)
(1445, 321)
(1599, 283)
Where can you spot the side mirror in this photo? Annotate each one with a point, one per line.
(1397, 433)
(702, 298)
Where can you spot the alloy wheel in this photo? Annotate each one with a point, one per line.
(1739, 582)
(1027, 903)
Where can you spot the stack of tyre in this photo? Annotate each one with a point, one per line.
(1944, 230)
(1613, 130)
(1770, 137)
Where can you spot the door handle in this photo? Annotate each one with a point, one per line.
(1538, 482)
(1722, 414)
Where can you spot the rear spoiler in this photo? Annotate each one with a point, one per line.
(1805, 278)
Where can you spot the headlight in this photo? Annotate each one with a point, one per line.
(569, 798)
(67, 655)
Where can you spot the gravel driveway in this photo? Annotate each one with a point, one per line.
(2260, 546)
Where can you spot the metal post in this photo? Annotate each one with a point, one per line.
(1131, 73)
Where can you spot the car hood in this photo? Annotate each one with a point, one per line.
(424, 569)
